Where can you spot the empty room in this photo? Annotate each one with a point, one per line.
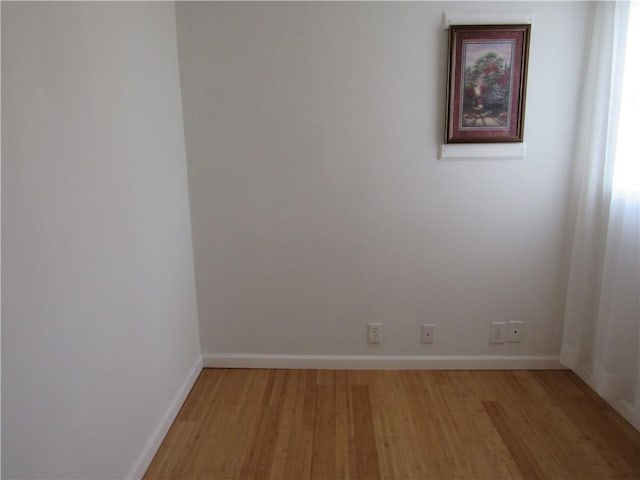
(320, 240)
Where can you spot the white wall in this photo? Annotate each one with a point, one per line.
(0, 262)
(318, 203)
(98, 301)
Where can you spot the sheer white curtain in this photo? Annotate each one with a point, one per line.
(601, 339)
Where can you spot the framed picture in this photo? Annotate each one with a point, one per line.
(487, 82)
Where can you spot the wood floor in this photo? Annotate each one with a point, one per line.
(367, 425)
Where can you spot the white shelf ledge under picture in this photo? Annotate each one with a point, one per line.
(483, 151)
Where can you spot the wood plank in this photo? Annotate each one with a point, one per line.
(365, 458)
(323, 458)
(519, 451)
(258, 461)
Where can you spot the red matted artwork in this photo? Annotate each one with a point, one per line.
(487, 83)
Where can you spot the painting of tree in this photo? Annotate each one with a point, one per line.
(487, 81)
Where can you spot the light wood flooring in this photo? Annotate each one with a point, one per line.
(367, 425)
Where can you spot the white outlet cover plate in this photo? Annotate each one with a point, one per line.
(426, 333)
(515, 332)
(374, 333)
(498, 332)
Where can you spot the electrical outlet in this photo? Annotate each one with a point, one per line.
(426, 333)
(374, 333)
(515, 332)
(498, 332)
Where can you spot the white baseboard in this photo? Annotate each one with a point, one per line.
(383, 362)
(151, 447)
